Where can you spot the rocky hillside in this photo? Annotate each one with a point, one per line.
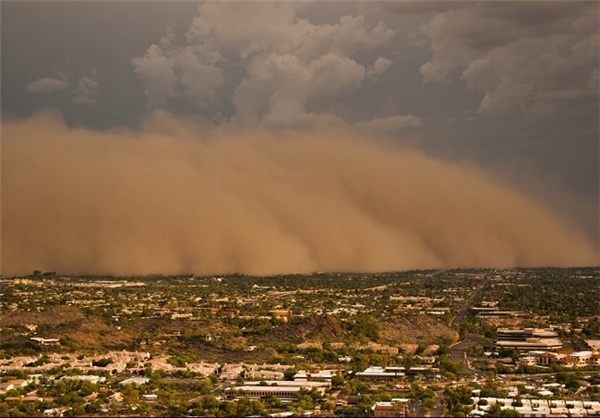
(415, 329)
(298, 330)
(71, 325)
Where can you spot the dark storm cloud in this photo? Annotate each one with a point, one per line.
(536, 66)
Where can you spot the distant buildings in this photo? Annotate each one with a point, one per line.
(570, 359)
(527, 338)
(87, 377)
(538, 407)
(285, 391)
(302, 375)
(377, 373)
(381, 373)
(134, 381)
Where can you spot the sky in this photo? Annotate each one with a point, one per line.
(143, 137)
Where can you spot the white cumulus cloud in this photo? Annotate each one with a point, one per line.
(380, 66)
(46, 86)
(86, 91)
(284, 62)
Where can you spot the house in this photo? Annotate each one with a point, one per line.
(206, 369)
(6, 386)
(89, 377)
(398, 407)
(380, 373)
(528, 360)
(320, 375)
(57, 412)
(232, 371)
(134, 381)
(264, 374)
(19, 383)
(46, 341)
(426, 359)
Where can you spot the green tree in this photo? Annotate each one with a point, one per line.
(337, 381)
(130, 396)
(509, 413)
(494, 410)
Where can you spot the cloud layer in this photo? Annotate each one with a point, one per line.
(181, 197)
(535, 58)
(46, 86)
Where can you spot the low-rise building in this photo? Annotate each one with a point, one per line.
(320, 375)
(398, 407)
(527, 338)
(207, 369)
(232, 371)
(134, 381)
(286, 392)
(381, 373)
(46, 341)
(88, 377)
(570, 359)
(535, 408)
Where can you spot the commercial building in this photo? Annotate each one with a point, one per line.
(381, 373)
(398, 407)
(327, 375)
(377, 373)
(539, 407)
(286, 391)
(570, 359)
(527, 339)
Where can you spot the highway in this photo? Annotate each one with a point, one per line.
(462, 313)
(457, 351)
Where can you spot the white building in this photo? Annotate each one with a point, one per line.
(135, 381)
(89, 377)
(286, 392)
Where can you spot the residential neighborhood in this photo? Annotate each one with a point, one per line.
(420, 343)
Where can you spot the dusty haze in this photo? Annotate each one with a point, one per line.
(179, 198)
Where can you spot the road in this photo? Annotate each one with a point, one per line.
(458, 352)
(438, 408)
(462, 313)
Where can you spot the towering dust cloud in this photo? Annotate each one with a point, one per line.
(174, 198)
